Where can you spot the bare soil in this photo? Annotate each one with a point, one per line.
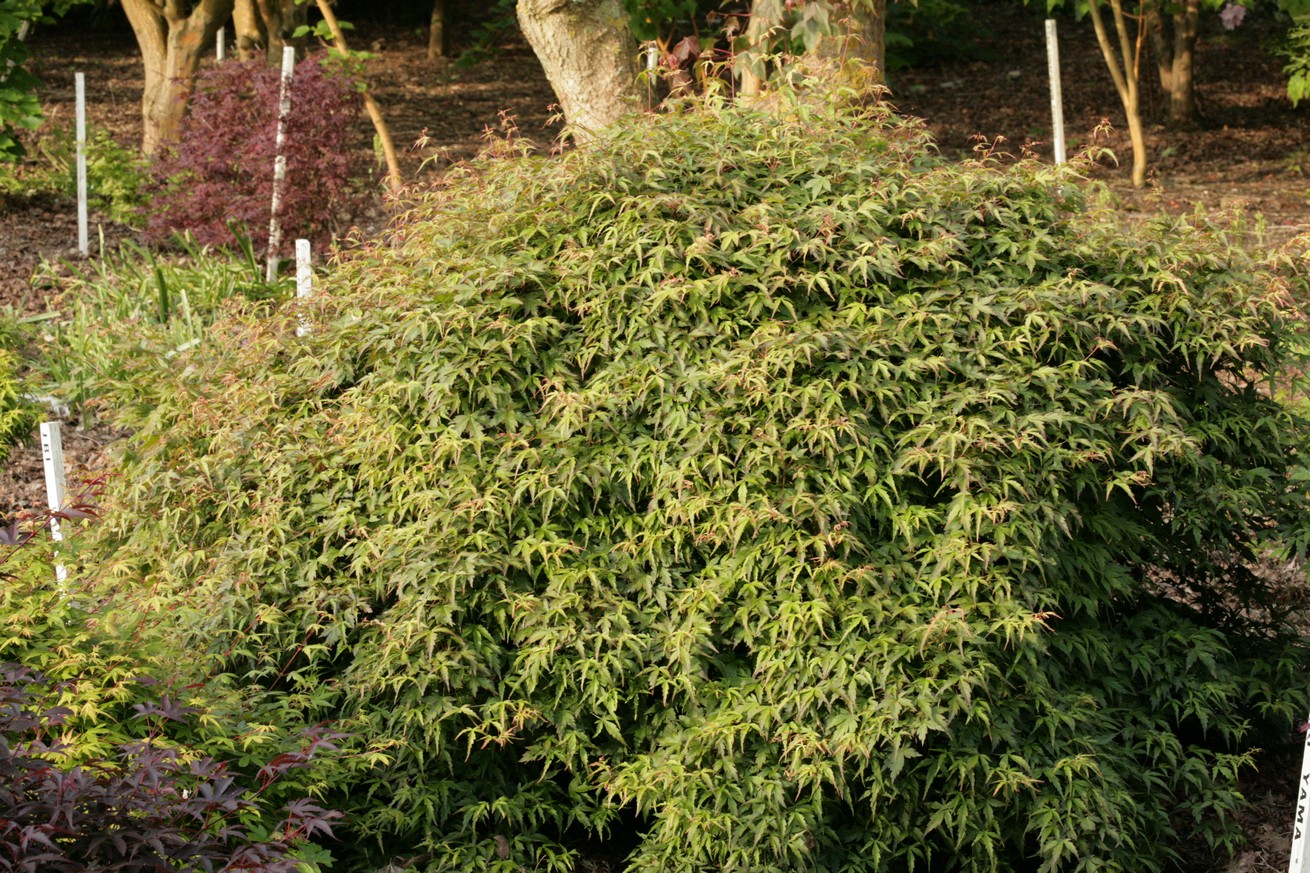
(1251, 149)
(984, 78)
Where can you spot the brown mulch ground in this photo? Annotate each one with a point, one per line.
(989, 78)
(1251, 150)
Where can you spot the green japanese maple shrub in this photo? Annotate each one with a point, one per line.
(752, 490)
(18, 416)
(111, 758)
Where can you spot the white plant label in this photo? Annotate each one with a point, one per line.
(280, 162)
(1300, 859)
(304, 285)
(52, 452)
(83, 236)
(1057, 99)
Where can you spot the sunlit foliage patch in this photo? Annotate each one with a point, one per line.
(751, 491)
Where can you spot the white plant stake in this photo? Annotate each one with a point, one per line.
(52, 451)
(1300, 859)
(280, 162)
(304, 285)
(220, 44)
(1057, 100)
(83, 237)
(652, 63)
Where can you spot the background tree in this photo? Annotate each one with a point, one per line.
(173, 36)
(1173, 30)
(1124, 63)
(387, 145)
(265, 27)
(588, 50)
(249, 30)
(1167, 34)
(437, 31)
(832, 33)
(589, 55)
(858, 32)
(280, 19)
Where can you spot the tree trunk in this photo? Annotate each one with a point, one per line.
(1173, 42)
(852, 53)
(1122, 63)
(589, 55)
(437, 31)
(858, 34)
(172, 43)
(752, 60)
(280, 18)
(1162, 47)
(1182, 96)
(252, 44)
(370, 105)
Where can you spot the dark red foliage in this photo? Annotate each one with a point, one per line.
(146, 811)
(221, 172)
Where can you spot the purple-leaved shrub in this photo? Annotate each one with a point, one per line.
(104, 768)
(219, 176)
(153, 807)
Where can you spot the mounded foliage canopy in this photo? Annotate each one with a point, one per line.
(17, 416)
(750, 491)
(109, 761)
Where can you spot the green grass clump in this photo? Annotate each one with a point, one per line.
(127, 317)
(113, 172)
(17, 416)
(749, 491)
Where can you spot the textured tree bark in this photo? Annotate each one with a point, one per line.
(589, 55)
(1173, 43)
(859, 34)
(172, 42)
(752, 60)
(1123, 66)
(279, 19)
(1182, 97)
(1162, 47)
(437, 31)
(249, 30)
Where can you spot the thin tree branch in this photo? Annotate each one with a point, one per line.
(374, 113)
(1111, 59)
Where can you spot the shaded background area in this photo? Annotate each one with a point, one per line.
(982, 74)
